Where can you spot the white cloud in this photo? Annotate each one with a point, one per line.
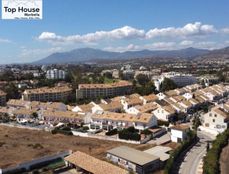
(186, 43)
(207, 45)
(130, 47)
(191, 29)
(152, 46)
(161, 46)
(5, 41)
(225, 30)
(125, 32)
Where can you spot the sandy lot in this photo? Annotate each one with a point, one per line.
(19, 145)
(224, 160)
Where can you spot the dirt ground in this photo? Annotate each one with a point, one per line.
(224, 160)
(19, 145)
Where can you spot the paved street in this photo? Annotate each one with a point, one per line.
(193, 160)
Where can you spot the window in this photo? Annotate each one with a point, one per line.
(210, 114)
(215, 115)
(213, 120)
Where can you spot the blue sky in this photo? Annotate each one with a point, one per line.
(115, 25)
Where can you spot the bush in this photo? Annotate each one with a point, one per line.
(61, 131)
(65, 128)
(146, 132)
(129, 134)
(211, 160)
(85, 128)
(112, 132)
(162, 123)
(132, 130)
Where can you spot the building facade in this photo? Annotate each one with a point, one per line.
(47, 94)
(216, 119)
(55, 74)
(134, 160)
(93, 91)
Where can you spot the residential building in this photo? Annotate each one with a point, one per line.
(25, 115)
(55, 74)
(113, 106)
(179, 79)
(2, 98)
(46, 94)
(134, 160)
(147, 108)
(123, 120)
(164, 112)
(94, 91)
(84, 109)
(113, 72)
(208, 80)
(57, 106)
(179, 132)
(216, 120)
(149, 98)
(64, 117)
(83, 162)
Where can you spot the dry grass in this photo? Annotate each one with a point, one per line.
(19, 145)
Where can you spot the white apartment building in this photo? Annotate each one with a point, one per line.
(55, 74)
(179, 79)
(216, 120)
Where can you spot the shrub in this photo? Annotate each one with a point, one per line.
(129, 134)
(146, 132)
(112, 132)
(61, 131)
(132, 129)
(65, 128)
(85, 128)
(162, 123)
(38, 146)
(211, 160)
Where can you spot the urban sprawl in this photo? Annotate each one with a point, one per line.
(171, 107)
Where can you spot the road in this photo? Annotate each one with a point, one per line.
(194, 157)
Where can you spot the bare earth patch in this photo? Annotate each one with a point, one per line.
(19, 145)
(224, 160)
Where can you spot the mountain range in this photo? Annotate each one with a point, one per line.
(83, 55)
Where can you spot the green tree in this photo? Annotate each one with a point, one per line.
(35, 115)
(11, 91)
(142, 79)
(222, 78)
(167, 85)
(196, 123)
(108, 75)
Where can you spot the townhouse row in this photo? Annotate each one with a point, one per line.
(142, 112)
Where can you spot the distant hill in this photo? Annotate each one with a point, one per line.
(218, 54)
(90, 54)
